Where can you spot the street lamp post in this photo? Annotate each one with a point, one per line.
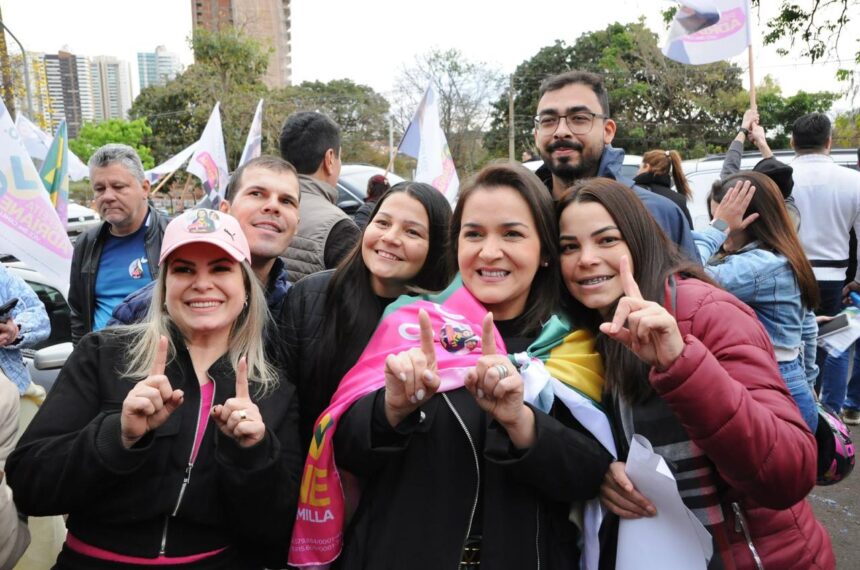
(26, 71)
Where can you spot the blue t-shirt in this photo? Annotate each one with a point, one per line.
(123, 269)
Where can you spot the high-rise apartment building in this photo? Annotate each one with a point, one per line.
(267, 21)
(77, 89)
(158, 67)
(111, 87)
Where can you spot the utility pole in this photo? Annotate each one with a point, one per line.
(511, 131)
(8, 91)
(10, 102)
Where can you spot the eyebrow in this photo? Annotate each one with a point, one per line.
(574, 109)
(504, 225)
(594, 233)
(406, 222)
(213, 262)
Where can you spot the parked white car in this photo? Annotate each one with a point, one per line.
(702, 173)
(80, 219)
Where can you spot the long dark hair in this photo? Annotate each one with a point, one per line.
(544, 294)
(352, 307)
(773, 229)
(654, 259)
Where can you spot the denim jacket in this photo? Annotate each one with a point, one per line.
(30, 316)
(765, 281)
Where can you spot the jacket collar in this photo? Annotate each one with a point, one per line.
(316, 186)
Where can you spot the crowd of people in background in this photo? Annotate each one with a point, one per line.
(435, 385)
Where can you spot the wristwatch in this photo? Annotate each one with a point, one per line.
(720, 225)
(745, 131)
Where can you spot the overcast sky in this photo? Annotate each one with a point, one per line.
(369, 41)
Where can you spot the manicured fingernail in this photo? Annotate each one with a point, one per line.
(480, 393)
(419, 394)
(428, 376)
(413, 400)
(403, 376)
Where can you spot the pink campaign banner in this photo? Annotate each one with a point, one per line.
(731, 22)
(456, 319)
(32, 231)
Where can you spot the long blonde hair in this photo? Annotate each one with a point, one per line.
(245, 339)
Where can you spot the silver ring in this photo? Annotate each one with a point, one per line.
(502, 370)
(242, 415)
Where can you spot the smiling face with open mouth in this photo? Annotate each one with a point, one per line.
(591, 250)
(498, 250)
(395, 244)
(267, 207)
(204, 291)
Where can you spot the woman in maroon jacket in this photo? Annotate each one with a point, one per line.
(689, 367)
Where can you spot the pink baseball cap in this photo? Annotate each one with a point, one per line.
(200, 225)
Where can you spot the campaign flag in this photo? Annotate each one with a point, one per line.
(425, 141)
(705, 31)
(171, 163)
(31, 230)
(37, 142)
(254, 142)
(209, 162)
(55, 174)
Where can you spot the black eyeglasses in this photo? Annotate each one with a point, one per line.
(579, 123)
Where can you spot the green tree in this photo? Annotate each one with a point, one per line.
(228, 68)
(817, 25)
(92, 136)
(846, 130)
(361, 112)
(465, 89)
(778, 113)
(656, 102)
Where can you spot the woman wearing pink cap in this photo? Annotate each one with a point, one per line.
(171, 443)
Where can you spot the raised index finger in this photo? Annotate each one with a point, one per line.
(488, 338)
(160, 362)
(631, 289)
(427, 346)
(242, 379)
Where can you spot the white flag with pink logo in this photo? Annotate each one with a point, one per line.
(209, 162)
(31, 229)
(425, 141)
(705, 31)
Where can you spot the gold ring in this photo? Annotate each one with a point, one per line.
(242, 415)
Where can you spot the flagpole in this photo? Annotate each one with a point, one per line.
(164, 180)
(753, 105)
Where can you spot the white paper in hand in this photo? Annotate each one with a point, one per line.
(674, 539)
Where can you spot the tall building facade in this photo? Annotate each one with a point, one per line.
(158, 67)
(111, 85)
(77, 89)
(267, 21)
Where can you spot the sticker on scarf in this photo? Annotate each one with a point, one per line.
(458, 338)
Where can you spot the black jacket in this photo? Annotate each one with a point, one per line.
(301, 324)
(85, 267)
(130, 501)
(662, 185)
(421, 483)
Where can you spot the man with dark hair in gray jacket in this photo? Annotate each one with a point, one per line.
(310, 141)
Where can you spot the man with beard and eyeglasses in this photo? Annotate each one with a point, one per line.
(573, 134)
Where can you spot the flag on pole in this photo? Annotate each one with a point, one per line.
(254, 142)
(425, 141)
(55, 174)
(171, 163)
(37, 143)
(32, 232)
(209, 162)
(705, 31)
